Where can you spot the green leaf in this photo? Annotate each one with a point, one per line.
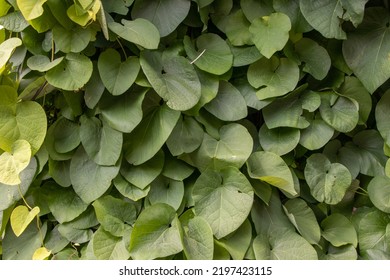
(117, 76)
(354, 10)
(270, 33)
(41, 254)
(164, 190)
(338, 230)
(261, 247)
(102, 143)
(272, 169)
(66, 136)
(316, 135)
(223, 198)
(31, 9)
(14, 22)
(64, 203)
(341, 113)
(211, 53)
(315, 58)
(156, 233)
(24, 246)
(382, 111)
(280, 140)
(11, 194)
(289, 245)
(238, 242)
(304, 220)
(186, 136)
(139, 31)
(173, 78)
(366, 49)
(198, 241)
(114, 215)
(72, 73)
(245, 55)
(325, 16)
(7, 48)
(379, 193)
(42, 63)
(124, 112)
(328, 181)
(74, 40)
(90, 180)
(109, 247)
(129, 190)
(142, 175)
(21, 217)
(292, 10)
(347, 252)
(237, 29)
(232, 149)
(12, 164)
(229, 104)
(373, 230)
(275, 77)
(157, 10)
(256, 8)
(150, 135)
(20, 121)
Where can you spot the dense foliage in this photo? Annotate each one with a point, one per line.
(204, 129)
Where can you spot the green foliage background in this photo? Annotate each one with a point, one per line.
(204, 129)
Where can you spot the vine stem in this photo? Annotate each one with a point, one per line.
(123, 49)
(24, 200)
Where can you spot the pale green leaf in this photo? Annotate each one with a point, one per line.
(139, 31)
(128, 190)
(31, 9)
(7, 48)
(12, 164)
(270, 33)
(41, 254)
(42, 63)
(379, 193)
(223, 198)
(21, 217)
(316, 135)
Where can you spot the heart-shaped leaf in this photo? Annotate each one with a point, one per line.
(270, 33)
(109, 247)
(280, 141)
(272, 169)
(156, 233)
(12, 164)
(275, 77)
(7, 48)
(366, 53)
(74, 40)
(156, 11)
(211, 53)
(173, 78)
(31, 9)
(339, 230)
(21, 217)
(328, 181)
(117, 76)
(41, 254)
(139, 31)
(232, 149)
(379, 193)
(42, 63)
(223, 198)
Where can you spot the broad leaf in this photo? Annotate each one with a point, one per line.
(328, 181)
(156, 233)
(117, 76)
(338, 230)
(228, 105)
(237, 29)
(129, 190)
(20, 120)
(275, 77)
(140, 31)
(42, 63)
(7, 48)
(173, 78)
(41, 254)
(164, 190)
(150, 135)
(142, 175)
(198, 241)
(90, 180)
(379, 193)
(74, 40)
(21, 217)
(210, 53)
(280, 140)
(109, 247)
(12, 164)
(123, 113)
(102, 143)
(31, 9)
(316, 135)
(272, 169)
(304, 220)
(325, 16)
(72, 73)
(114, 215)
(270, 33)
(223, 198)
(382, 111)
(233, 148)
(366, 49)
(157, 10)
(292, 9)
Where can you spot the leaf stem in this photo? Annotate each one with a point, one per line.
(123, 49)
(24, 200)
(192, 62)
